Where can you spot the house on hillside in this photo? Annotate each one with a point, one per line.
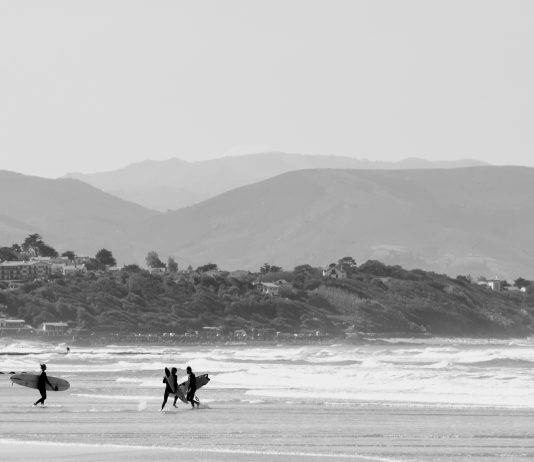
(54, 328)
(496, 285)
(14, 326)
(334, 272)
(12, 323)
(268, 288)
(24, 270)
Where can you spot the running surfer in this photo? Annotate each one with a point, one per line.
(168, 389)
(191, 388)
(41, 386)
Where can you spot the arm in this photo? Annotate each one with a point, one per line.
(48, 382)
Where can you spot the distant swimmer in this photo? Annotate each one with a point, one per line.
(191, 388)
(171, 385)
(41, 385)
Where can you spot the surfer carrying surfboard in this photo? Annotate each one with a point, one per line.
(41, 385)
(192, 387)
(171, 385)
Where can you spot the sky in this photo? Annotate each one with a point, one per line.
(94, 85)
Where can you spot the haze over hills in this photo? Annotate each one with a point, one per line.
(174, 183)
(477, 221)
(69, 214)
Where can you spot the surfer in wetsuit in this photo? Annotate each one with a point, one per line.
(192, 388)
(168, 389)
(41, 385)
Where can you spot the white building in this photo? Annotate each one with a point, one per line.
(54, 328)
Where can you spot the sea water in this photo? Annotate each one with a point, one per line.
(400, 372)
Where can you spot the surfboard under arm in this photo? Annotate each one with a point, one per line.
(182, 387)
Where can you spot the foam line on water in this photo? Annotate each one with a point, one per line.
(116, 397)
(251, 452)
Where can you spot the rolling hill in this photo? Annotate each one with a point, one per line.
(69, 214)
(477, 220)
(174, 183)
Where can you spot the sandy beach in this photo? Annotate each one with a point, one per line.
(264, 433)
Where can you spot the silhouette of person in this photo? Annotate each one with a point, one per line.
(68, 350)
(191, 388)
(41, 385)
(168, 389)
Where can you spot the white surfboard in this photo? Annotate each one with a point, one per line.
(31, 381)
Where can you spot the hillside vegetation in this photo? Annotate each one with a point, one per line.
(375, 298)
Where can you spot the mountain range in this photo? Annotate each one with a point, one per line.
(475, 220)
(69, 215)
(174, 183)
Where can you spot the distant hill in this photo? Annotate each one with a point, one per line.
(477, 221)
(69, 214)
(174, 183)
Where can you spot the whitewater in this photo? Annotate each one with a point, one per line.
(388, 400)
(414, 372)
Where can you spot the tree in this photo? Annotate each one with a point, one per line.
(45, 250)
(267, 268)
(153, 261)
(34, 245)
(69, 254)
(7, 254)
(347, 263)
(207, 267)
(172, 266)
(31, 243)
(104, 257)
(521, 282)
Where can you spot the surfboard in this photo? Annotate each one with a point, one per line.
(31, 380)
(168, 378)
(182, 387)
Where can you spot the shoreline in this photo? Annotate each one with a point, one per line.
(396, 338)
(12, 449)
(270, 433)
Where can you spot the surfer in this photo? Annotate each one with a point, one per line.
(168, 389)
(191, 388)
(41, 385)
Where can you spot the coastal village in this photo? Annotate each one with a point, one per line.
(14, 274)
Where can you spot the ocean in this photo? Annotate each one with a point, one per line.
(452, 378)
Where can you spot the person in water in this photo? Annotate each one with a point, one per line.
(41, 385)
(191, 388)
(168, 389)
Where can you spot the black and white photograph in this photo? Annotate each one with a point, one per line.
(267, 230)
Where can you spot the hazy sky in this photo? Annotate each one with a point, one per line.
(94, 85)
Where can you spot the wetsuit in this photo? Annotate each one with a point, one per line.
(191, 389)
(168, 389)
(41, 386)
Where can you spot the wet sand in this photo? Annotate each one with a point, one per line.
(134, 430)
